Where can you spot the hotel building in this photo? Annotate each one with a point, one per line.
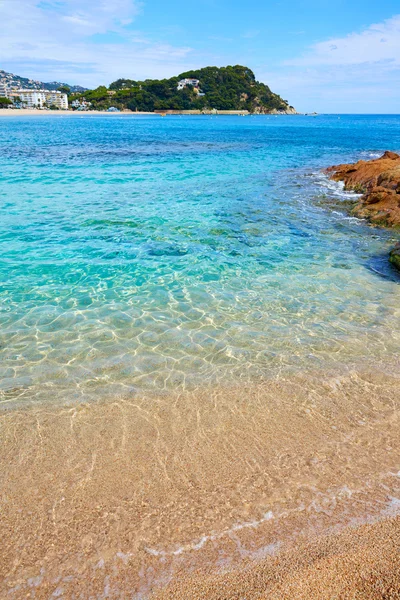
(40, 98)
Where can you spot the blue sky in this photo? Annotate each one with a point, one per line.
(324, 56)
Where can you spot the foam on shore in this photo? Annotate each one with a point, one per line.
(361, 562)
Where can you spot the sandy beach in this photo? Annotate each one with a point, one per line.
(109, 493)
(358, 563)
(4, 112)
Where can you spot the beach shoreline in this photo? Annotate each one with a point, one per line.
(4, 112)
(359, 561)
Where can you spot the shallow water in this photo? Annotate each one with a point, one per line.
(112, 499)
(147, 253)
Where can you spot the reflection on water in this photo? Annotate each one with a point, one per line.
(175, 253)
(117, 495)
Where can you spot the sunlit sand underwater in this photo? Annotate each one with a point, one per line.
(199, 346)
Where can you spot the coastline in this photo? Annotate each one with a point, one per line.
(4, 112)
(359, 562)
(378, 183)
(41, 113)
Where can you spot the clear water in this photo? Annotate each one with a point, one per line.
(150, 253)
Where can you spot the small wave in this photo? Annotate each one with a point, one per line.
(335, 188)
(371, 155)
(197, 545)
(317, 505)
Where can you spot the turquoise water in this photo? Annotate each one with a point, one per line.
(148, 253)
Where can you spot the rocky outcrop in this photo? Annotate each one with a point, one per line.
(379, 182)
(287, 111)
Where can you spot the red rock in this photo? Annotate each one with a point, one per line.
(379, 182)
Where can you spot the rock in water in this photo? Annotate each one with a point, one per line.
(379, 182)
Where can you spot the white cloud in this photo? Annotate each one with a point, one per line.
(356, 73)
(53, 39)
(379, 43)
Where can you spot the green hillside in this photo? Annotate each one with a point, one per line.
(226, 88)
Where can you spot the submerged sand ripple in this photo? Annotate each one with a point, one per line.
(111, 499)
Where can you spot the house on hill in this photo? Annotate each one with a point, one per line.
(185, 82)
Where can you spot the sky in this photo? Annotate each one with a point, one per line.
(329, 57)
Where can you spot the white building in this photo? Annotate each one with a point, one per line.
(58, 99)
(81, 104)
(32, 98)
(40, 98)
(185, 82)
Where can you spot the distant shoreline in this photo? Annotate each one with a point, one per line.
(5, 112)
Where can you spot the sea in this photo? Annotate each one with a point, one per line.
(162, 253)
(199, 346)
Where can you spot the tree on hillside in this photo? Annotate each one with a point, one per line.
(122, 84)
(225, 88)
(64, 89)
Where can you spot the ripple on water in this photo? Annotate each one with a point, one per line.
(145, 260)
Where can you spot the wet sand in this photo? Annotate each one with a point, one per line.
(113, 499)
(360, 563)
